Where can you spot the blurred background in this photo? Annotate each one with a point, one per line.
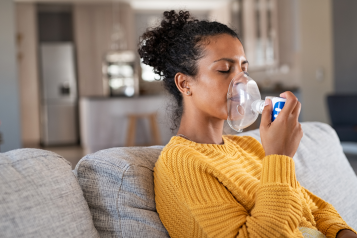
(71, 80)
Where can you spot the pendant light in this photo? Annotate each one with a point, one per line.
(119, 63)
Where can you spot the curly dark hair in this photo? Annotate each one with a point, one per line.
(175, 46)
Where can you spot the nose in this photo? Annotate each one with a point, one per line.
(238, 70)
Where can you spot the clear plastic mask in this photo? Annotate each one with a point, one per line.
(243, 102)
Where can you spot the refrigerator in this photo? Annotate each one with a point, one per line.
(59, 103)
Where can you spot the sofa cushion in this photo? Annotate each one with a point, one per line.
(118, 185)
(323, 169)
(40, 197)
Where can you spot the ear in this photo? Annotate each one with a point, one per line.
(182, 83)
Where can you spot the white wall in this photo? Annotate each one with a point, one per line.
(222, 13)
(9, 94)
(316, 54)
(345, 50)
(26, 24)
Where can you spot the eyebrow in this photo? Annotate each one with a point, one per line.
(231, 60)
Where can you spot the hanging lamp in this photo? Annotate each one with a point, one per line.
(119, 64)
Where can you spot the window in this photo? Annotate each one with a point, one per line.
(256, 22)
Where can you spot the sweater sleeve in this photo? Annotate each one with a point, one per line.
(277, 210)
(328, 221)
(214, 212)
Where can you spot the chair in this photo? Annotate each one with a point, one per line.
(343, 114)
(130, 138)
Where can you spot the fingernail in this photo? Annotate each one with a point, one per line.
(266, 102)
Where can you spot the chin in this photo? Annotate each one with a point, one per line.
(223, 116)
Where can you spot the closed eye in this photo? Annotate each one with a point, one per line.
(223, 72)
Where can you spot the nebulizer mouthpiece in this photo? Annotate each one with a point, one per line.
(244, 102)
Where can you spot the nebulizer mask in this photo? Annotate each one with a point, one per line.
(244, 102)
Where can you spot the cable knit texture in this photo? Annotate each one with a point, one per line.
(234, 190)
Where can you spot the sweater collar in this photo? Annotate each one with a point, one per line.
(226, 148)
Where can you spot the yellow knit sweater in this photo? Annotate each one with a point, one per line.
(234, 190)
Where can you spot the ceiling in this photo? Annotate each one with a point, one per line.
(202, 5)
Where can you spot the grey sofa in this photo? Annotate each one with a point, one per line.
(111, 192)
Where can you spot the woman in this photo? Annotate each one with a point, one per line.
(209, 185)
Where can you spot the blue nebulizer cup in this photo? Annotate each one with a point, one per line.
(244, 102)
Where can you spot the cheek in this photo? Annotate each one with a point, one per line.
(212, 99)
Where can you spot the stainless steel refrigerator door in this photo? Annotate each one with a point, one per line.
(60, 124)
(59, 94)
(58, 72)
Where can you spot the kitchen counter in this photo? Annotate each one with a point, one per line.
(104, 120)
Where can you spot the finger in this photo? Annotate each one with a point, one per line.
(290, 103)
(266, 115)
(296, 111)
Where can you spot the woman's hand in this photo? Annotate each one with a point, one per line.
(281, 137)
(346, 234)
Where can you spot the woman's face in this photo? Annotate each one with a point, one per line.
(223, 59)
